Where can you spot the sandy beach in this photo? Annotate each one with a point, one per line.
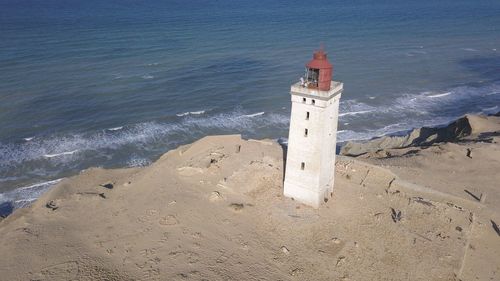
(421, 207)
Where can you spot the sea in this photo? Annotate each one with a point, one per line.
(117, 83)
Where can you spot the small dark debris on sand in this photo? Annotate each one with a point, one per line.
(52, 205)
(473, 195)
(495, 227)
(422, 201)
(396, 215)
(469, 151)
(108, 185)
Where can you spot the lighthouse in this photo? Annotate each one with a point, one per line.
(310, 162)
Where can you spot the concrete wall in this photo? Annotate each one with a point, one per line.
(317, 150)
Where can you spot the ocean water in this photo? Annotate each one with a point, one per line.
(118, 83)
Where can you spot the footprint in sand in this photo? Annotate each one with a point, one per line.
(168, 220)
(236, 207)
(164, 238)
(215, 196)
(62, 271)
(196, 235)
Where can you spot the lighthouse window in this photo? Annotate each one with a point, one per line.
(307, 115)
(302, 165)
(312, 76)
(313, 102)
(305, 132)
(303, 99)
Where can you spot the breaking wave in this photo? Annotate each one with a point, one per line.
(361, 121)
(440, 95)
(147, 77)
(190, 113)
(60, 154)
(54, 149)
(254, 114)
(115, 128)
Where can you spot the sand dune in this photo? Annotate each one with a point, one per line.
(214, 210)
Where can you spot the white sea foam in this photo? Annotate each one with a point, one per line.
(24, 201)
(147, 76)
(469, 49)
(138, 162)
(282, 140)
(191, 113)
(115, 128)
(29, 139)
(23, 196)
(355, 112)
(413, 53)
(13, 156)
(254, 114)
(60, 154)
(490, 110)
(439, 95)
(40, 184)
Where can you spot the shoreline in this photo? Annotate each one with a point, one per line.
(215, 208)
(7, 207)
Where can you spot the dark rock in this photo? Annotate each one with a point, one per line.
(108, 185)
(52, 205)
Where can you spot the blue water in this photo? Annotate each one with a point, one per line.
(118, 83)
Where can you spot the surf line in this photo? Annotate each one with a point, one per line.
(60, 154)
(115, 128)
(354, 112)
(255, 114)
(439, 95)
(190, 113)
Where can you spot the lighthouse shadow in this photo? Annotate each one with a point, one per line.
(284, 148)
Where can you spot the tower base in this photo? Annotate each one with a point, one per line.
(304, 194)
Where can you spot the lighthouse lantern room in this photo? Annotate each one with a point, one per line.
(318, 72)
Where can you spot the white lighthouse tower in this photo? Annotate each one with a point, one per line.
(310, 162)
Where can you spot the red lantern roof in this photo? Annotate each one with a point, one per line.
(319, 61)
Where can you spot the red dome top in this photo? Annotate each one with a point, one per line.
(319, 72)
(319, 61)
